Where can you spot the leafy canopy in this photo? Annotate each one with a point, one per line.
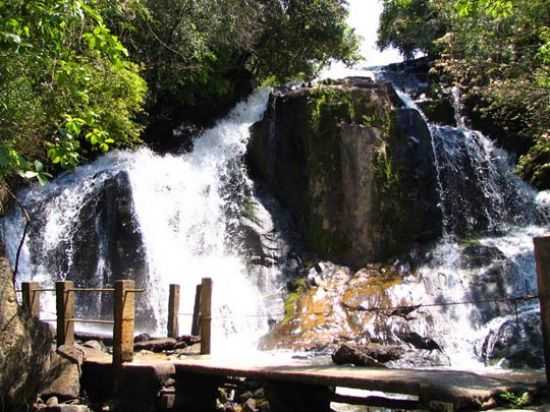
(498, 51)
(68, 89)
(71, 70)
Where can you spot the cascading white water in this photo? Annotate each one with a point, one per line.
(489, 218)
(181, 204)
(158, 219)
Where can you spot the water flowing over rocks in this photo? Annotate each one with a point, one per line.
(446, 300)
(159, 220)
(399, 241)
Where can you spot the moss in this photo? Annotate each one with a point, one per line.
(328, 108)
(249, 209)
(470, 241)
(297, 289)
(373, 287)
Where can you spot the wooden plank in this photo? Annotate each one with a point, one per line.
(31, 299)
(206, 316)
(65, 311)
(542, 258)
(124, 316)
(377, 401)
(195, 327)
(399, 381)
(173, 311)
(465, 390)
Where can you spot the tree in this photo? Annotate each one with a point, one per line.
(68, 89)
(71, 70)
(498, 52)
(411, 26)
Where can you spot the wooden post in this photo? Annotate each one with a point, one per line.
(542, 258)
(31, 299)
(195, 326)
(173, 311)
(124, 315)
(206, 315)
(65, 312)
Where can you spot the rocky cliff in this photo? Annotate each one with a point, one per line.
(355, 169)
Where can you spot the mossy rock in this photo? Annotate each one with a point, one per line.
(355, 170)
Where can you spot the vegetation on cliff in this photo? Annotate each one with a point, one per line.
(498, 52)
(76, 75)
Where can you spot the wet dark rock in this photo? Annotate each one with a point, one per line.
(477, 255)
(412, 76)
(267, 237)
(188, 339)
(160, 345)
(348, 355)
(102, 245)
(325, 163)
(439, 110)
(419, 342)
(516, 343)
(142, 337)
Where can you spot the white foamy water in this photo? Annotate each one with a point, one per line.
(184, 208)
(486, 209)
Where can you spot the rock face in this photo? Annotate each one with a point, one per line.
(333, 306)
(65, 367)
(355, 170)
(516, 343)
(25, 348)
(96, 241)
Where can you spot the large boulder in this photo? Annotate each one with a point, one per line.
(516, 342)
(94, 242)
(25, 347)
(355, 169)
(65, 366)
(370, 355)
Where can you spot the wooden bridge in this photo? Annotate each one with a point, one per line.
(192, 383)
(153, 382)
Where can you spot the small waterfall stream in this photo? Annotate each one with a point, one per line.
(489, 218)
(158, 220)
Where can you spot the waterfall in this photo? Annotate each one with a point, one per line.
(489, 219)
(158, 220)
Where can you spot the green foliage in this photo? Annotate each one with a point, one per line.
(517, 400)
(68, 90)
(299, 39)
(411, 26)
(70, 70)
(498, 51)
(297, 289)
(192, 48)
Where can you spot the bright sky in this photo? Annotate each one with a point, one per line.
(364, 17)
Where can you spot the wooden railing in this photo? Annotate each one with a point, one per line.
(123, 313)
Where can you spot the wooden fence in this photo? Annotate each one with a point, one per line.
(123, 322)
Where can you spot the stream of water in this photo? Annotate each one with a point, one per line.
(158, 220)
(489, 218)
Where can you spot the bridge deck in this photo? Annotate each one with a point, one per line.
(428, 384)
